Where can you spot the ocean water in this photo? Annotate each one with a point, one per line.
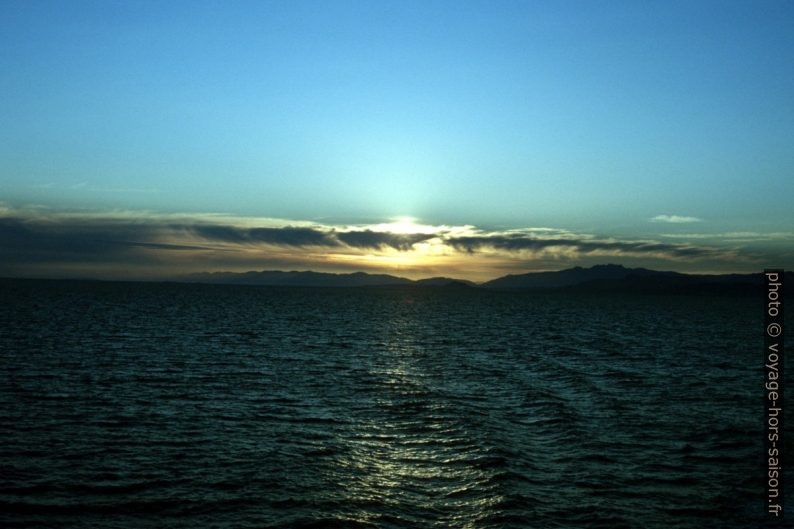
(172, 405)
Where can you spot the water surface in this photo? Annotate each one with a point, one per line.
(168, 405)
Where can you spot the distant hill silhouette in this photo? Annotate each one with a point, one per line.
(617, 278)
(444, 282)
(306, 279)
(316, 279)
(572, 276)
(599, 278)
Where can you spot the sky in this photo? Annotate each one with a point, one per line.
(468, 139)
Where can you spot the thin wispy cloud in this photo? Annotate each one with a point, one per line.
(85, 186)
(739, 236)
(675, 219)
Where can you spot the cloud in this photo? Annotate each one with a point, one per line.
(373, 239)
(34, 236)
(584, 245)
(734, 236)
(284, 236)
(675, 219)
(125, 241)
(22, 241)
(304, 236)
(88, 187)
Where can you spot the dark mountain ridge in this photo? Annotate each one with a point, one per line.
(608, 277)
(295, 278)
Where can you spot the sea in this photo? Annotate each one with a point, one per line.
(151, 405)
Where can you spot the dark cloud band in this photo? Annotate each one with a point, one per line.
(31, 239)
(514, 243)
(153, 241)
(299, 236)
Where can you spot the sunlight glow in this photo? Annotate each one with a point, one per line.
(405, 225)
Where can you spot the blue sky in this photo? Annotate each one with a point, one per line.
(606, 119)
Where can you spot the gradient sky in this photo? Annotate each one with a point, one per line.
(633, 123)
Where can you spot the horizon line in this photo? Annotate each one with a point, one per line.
(185, 278)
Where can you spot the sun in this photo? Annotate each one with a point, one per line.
(404, 225)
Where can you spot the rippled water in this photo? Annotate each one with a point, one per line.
(155, 405)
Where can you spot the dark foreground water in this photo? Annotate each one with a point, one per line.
(151, 405)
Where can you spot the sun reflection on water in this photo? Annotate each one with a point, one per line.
(411, 451)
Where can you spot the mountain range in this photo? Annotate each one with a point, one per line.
(608, 277)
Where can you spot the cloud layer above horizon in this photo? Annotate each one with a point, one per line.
(524, 135)
(142, 245)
